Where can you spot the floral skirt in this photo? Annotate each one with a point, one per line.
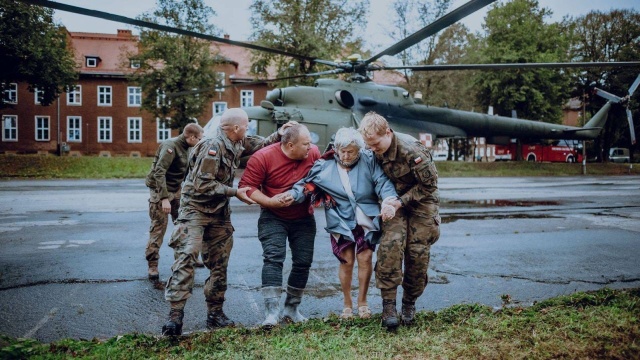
(342, 243)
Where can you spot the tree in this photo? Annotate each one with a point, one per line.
(34, 50)
(612, 36)
(317, 28)
(171, 63)
(517, 33)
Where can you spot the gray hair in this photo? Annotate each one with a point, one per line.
(348, 136)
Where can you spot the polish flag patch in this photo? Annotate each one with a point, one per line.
(212, 152)
(417, 160)
(170, 151)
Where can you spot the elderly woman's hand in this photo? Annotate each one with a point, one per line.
(281, 200)
(387, 212)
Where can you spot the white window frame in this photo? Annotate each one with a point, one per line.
(132, 131)
(161, 99)
(135, 63)
(134, 96)
(246, 98)
(74, 95)
(106, 92)
(43, 133)
(92, 61)
(105, 132)
(37, 96)
(72, 121)
(11, 94)
(218, 104)
(7, 127)
(221, 77)
(163, 131)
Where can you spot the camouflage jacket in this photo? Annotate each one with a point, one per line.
(408, 164)
(212, 164)
(169, 166)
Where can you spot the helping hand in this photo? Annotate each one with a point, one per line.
(242, 195)
(387, 212)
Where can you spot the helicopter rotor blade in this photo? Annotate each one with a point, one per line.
(447, 67)
(150, 25)
(433, 28)
(608, 96)
(634, 86)
(631, 129)
(214, 88)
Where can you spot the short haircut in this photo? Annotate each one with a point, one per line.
(233, 116)
(348, 136)
(373, 124)
(292, 133)
(192, 129)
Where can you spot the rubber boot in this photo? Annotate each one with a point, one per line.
(154, 275)
(271, 295)
(408, 312)
(173, 327)
(290, 313)
(389, 314)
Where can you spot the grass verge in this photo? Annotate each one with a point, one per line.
(602, 324)
(53, 167)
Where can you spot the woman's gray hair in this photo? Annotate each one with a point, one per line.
(348, 136)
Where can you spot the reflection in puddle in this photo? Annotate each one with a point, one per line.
(497, 203)
(449, 218)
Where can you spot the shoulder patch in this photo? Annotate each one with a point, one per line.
(417, 160)
(170, 150)
(212, 152)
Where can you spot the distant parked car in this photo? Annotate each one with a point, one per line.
(619, 155)
(439, 156)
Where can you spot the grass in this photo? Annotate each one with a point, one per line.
(53, 167)
(603, 324)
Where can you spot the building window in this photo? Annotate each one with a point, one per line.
(74, 95)
(92, 61)
(246, 98)
(42, 128)
(104, 129)
(11, 94)
(135, 96)
(220, 78)
(9, 128)
(38, 96)
(134, 129)
(164, 131)
(104, 95)
(219, 107)
(135, 64)
(161, 99)
(74, 129)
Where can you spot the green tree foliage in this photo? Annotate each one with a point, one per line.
(34, 50)
(321, 29)
(517, 33)
(172, 63)
(612, 36)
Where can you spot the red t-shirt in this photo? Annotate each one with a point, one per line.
(271, 171)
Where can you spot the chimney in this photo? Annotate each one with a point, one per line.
(226, 36)
(124, 33)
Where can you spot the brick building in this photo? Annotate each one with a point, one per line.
(102, 114)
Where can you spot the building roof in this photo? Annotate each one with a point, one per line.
(108, 48)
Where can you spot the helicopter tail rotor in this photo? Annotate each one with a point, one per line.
(623, 101)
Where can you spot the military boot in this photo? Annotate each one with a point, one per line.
(173, 327)
(408, 312)
(153, 271)
(290, 313)
(217, 319)
(271, 295)
(389, 314)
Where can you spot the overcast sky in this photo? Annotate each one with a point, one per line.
(233, 15)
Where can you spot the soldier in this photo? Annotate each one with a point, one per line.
(409, 235)
(204, 220)
(164, 180)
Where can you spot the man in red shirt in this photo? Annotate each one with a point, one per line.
(269, 173)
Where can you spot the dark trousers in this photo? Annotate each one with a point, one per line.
(273, 233)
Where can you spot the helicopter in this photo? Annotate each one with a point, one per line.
(331, 104)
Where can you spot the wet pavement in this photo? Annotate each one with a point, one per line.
(72, 253)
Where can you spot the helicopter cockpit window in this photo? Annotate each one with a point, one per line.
(345, 99)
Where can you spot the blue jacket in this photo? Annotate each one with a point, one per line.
(369, 185)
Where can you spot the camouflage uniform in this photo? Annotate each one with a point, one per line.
(409, 235)
(204, 221)
(164, 180)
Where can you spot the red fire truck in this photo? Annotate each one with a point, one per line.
(560, 151)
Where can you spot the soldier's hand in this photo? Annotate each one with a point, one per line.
(166, 206)
(393, 201)
(242, 195)
(387, 212)
(286, 126)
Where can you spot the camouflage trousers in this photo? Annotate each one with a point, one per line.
(159, 221)
(211, 234)
(407, 238)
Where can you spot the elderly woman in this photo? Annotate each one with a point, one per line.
(351, 185)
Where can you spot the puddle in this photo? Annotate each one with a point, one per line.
(497, 203)
(446, 219)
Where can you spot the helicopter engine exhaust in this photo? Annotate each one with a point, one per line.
(345, 99)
